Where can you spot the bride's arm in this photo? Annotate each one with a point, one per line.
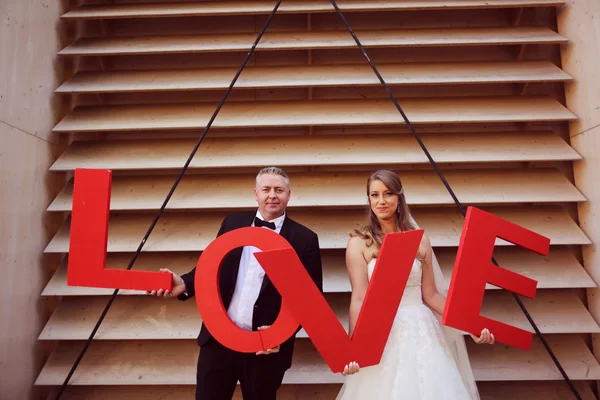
(359, 278)
(431, 297)
(435, 300)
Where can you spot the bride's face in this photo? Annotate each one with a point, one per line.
(383, 202)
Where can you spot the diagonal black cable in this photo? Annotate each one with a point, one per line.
(170, 194)
(447, 185)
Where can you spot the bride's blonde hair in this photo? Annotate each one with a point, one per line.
(372, 233)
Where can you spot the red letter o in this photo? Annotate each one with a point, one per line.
(208, 298)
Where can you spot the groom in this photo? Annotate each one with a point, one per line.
(251, 300)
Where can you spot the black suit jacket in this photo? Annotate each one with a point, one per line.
(266, 309)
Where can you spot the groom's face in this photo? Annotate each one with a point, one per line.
(272, 195)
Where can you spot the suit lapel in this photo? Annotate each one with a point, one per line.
(285, 229)
(245, 221)
(236, 254)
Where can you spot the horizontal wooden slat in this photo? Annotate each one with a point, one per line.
(547, 390)
(194, 231)
(173, 44)
(299, 76)
(159, 362)
(313, 113)
(488, 391)
(554, 311)
(344, 189)
(136, 317)
(533, 390)
(213, 8)
(560, 269)
(315, 150)
(500, 363)
(285, 392)
(335, 278)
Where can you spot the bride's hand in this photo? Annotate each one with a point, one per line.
(351, 368)
(486, 337)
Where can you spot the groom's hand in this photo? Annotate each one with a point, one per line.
(269, 351)
(178, 286)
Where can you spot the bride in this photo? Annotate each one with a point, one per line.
(422, 359)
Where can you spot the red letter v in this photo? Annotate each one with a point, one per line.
(379, 308)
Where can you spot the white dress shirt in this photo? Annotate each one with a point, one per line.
(249, 281)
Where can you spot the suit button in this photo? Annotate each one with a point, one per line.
(255, 306)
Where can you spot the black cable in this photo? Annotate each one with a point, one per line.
(447, 185)
(162, 208)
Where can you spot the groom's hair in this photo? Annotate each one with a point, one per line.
(274, 171)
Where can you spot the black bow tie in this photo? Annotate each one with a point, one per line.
(259, 222)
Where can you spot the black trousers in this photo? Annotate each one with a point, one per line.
(219, 370)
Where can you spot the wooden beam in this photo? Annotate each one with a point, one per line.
(501, 363)
(165, 154)
(193, 231)
(215, 8)
(548, 390)
(174, 44)
(138, 392)
(560, 269)
(344, 189)
(173, 362)
(314, 76)
(138, 317)
(316, 113)
(533, 390)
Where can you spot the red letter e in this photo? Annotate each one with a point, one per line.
(473, 269)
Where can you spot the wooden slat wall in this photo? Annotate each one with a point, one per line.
(482, 82)
(488, 391)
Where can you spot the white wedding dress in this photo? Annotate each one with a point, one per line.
(417, 362)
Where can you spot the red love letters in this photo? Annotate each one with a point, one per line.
(376, 316)
(302, 303)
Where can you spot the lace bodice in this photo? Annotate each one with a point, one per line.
(412, 292)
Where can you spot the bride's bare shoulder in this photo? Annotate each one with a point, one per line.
(425, 248)
(356, 242)
(425, 240)
(358, 249)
